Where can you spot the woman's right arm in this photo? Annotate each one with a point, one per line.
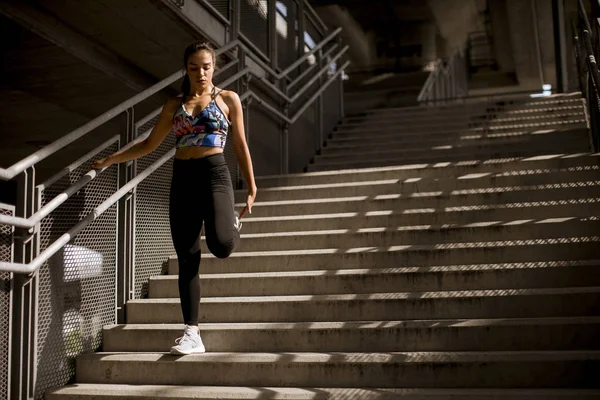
(158, 134)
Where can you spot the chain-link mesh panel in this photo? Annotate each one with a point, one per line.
(77, 285)
(264, 134)
(222, 6)
(286, 33)
(153, 244)
(6, 255)
(253, 23)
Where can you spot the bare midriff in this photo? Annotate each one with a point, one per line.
(187, 153)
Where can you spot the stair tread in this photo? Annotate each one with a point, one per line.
(389, 213)
(426, 179)
(367, 325)
(290, 393)
(435, 194)
(436, 357)
(384, 296)
(429, 227)
(410, 247)
(505, 162)
(387, 271)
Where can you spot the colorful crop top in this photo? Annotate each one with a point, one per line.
(207, 129)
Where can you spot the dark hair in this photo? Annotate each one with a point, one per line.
(191, 49)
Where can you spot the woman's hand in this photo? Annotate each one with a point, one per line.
(102, 163)
(249, 203)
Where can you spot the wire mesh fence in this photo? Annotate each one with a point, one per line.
(77, 285)
(254, 24)
(6, 254)
(222, 6)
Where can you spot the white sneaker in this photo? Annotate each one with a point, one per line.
(189, 343)
(237, 223)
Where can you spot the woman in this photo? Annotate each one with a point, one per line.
(201, 188)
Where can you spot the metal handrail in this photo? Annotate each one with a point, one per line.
(430, 79)
(284, 118)
(585, 38)
(45, 255)
(444, 74)
(307, 85)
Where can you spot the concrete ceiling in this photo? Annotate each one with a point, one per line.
(387, 18)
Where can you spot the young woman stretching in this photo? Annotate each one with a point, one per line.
(201, 188)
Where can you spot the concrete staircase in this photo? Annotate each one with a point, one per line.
(468, 272)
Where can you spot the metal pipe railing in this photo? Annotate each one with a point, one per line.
(589, 73)
(283, 117)
(446, 82)
(44, 256)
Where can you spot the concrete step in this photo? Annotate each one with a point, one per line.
(461, 139)
(418, 235)
(502, 303)
(425, 170)
(449, 157)
(508, 251)
(459, 121)
(435, 199)
(387, 280)
(526, 118)
(512, 334)
(529, 211)
(169, 392)
(500, 105)
(466, 115)
(389, 186)
(454, 148)
(552, 369)
(577, 107)
(391, 130)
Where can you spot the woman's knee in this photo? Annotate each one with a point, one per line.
(221, 249)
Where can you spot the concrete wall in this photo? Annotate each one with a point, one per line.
(532, 64)
(503, 50)
(455, 19)
(362, 48)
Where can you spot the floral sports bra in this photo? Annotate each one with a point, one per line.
(207, 129)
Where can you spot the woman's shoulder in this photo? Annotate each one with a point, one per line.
(229, 95)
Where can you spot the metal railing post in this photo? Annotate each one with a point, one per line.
(272, 32)
(25, 290)
(285, 164)
(319, 135)
(125, 274)
(235, 12)
(341, 84)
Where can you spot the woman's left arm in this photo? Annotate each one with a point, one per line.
(240, 146)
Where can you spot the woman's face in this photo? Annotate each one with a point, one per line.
(200, 69)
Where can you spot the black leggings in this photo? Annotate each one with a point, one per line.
(201, 192)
